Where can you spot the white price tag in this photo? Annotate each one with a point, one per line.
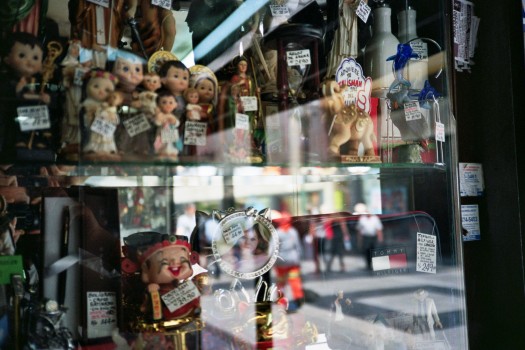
(249, 103)
(104, 3)
(33, 118)
(470, 222)
(412, 111)
(103, 127)
(195, 133)
(421, 48)
(363, 11)
(298, 58)
(426, 253)
(232, 234)
(169, 134)
(440, 132)
(280, 11)
(136, 124)
(165, 4)
(180, 296)
(101, 314)
(242, 121)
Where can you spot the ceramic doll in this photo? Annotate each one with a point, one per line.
(99, 115)
(167, 126)
(175, 77)
(135, 133)
(147, 98)
(20, 86)
(193, 110)
(168, 268)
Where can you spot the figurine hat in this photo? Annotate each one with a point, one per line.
(140, 246)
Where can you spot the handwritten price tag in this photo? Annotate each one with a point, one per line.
(298, 57)
(180, 296)
(165, 4)
(103, 127)
(232, 234)
(137, 124)
(195, 133)
(426, 253)
(440, 132)
(33, 118)
(363, 11)
(279, 11)
(249, 103)
(101, 313)
(412, 111)
(242, 121)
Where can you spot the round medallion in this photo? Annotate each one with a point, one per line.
(245, 244)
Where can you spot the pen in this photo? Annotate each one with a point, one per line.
(64, 250)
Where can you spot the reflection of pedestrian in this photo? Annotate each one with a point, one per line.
(288, 268)
(337, 245)
(425, 314)
(317, 230)
(187, 221)
(210, 228)
(370, 231)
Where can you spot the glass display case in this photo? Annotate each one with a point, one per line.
(228, 174)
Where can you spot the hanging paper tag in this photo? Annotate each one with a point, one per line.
(249, 103)
(136, 124)
(420, 47)
(101, 25)
(232, 234)
(412, 111)
(104, 3)
(355, 87)
(362, 11)
(165, 4)
(169, 134)
(470, 222)
(103, 127)
(33, 118)
(195, 133)
(242, 121)
(279, 11)
(101, 314)
(440, 132)
(180, 296)
(78, 77)
(426, 253)
(298, 57)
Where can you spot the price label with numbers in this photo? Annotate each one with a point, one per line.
(232, 234)
(195, 133)
(136, 124)
(279, 11)
(440, 132)
(103, 127)
(169, 134)
(101, 313)
(426, 253)
(242, 121)
(33, 118)
(249, 103)
(412, 111)
(180, 296)
(363, 11)
(165, 4)
(298, 57)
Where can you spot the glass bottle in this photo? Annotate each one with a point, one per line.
(382, 45)
(417, 69)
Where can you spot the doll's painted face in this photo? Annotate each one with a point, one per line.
(242, 67)
(176, 80)
(130, 74)
(193, 97)
(206, 91)
(167, 104)
(25, 60)
(151, 82)
(100, 88)
(167, 265)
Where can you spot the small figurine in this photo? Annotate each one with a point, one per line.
(100, 117)
(151, 82)
(23, 59)
(175, 77)
(401, 58)
(193, 110)
(169, 268)
(167, 126)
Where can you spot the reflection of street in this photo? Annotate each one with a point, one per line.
(381, 311)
